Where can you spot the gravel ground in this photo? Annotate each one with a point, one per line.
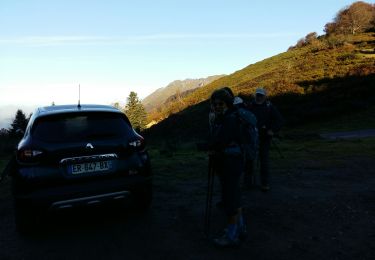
(310, 214)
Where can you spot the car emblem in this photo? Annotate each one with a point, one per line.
(89, 146)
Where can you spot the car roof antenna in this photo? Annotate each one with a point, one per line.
(79, 96)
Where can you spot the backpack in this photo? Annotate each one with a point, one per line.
(249, 137)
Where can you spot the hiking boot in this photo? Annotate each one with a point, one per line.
(242, 233)
(225, 241)
(265, 188)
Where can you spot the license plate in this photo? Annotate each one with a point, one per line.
(90, 167)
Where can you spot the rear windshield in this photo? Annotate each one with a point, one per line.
(81, 127)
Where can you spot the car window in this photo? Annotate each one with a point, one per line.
(81, 127)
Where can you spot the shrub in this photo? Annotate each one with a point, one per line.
(334, 41)
(346, 57)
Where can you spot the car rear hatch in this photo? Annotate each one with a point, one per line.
(83, 145)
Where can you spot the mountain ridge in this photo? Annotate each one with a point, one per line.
(159, 96)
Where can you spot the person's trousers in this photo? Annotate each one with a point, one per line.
(263, 160)
(229, 171)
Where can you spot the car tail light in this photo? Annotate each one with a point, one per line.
(28, 155)
(138, 144)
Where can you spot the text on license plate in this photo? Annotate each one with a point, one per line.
(91, 167)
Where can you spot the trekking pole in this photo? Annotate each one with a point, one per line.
(210, 186)
(250, 171)
(257, 168)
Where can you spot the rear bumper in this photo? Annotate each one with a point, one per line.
(84, 194)
(91, 200)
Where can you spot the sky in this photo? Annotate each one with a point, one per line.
(109, 48)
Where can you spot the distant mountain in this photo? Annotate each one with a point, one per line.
(179, 95)
(161, 95)
(333, 75)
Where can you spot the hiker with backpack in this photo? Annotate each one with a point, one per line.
(269, 122)
(248, 129)
(227, 157)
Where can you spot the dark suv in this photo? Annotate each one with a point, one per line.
(77, 156)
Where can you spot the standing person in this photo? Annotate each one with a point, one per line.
(269, 122)
(237, 102)
(228, 163)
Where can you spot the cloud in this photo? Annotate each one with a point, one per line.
(49, 40)
(136, 39)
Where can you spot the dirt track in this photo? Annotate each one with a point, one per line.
(350, 134)
(308, 214)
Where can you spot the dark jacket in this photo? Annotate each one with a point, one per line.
(225, 132)
(268, 117)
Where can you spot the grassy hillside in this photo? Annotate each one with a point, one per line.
(310, 83)
(298, 70)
